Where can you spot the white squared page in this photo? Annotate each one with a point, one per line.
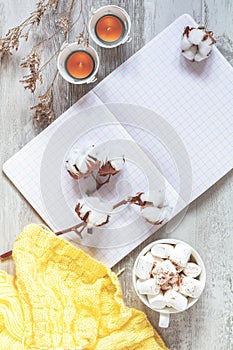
(195, 99)
(44, 173)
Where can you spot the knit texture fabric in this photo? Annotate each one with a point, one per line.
(62, 299)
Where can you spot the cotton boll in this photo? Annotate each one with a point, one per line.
(108, 154)
(196, 36)
(185, 43)
(201, 43)
(118, 164)
(198, 57)
(157, 197)
(93, 211)
(205, 47)
(156, 215)
(190, 53)
(97, 219)
(152, 214)
(79, 163)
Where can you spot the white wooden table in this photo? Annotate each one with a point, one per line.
(208, 224)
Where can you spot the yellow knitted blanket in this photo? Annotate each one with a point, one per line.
(63, 299)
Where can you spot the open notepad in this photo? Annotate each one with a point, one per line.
(172, 117)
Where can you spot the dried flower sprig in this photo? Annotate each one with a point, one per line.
(44, 111)
(11, 41)
(31, 62)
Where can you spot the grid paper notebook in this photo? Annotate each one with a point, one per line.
(181, 134)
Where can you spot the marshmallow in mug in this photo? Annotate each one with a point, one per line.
(148, 286)
(164, 272)
(162, 250)
(157, 301)
(180, 255)
(150, 257)
(190, 287)
(176, 300)
(168, 287)
(192, 270)
(144, 267)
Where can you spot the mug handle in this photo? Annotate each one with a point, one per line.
(164, 320)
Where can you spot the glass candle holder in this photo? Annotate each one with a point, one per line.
(78, 63)
(110, 26)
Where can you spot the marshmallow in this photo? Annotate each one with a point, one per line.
(169, 249)
(164, 272)
(150, 257)
(158, 301)
(144, 267)
(162, 250)
(176, 300)
(190, 287)
(180, 254)
(159, 250)
(157, 260)
(192, 270)
(148, 287)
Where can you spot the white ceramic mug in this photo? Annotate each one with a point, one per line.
(110, 10)
(66, 50)
(167, 311)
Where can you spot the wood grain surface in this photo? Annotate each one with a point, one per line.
(208, 225)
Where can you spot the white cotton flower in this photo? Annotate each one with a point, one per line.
(93, 211)
(196, 36)
(199, 57)
(197, 43)
(82, 162)
(118, 164)
(156, 215)
(156, 197)
(185, 43)
(154, 206)
(79, 163)
(204, 47)
(190, 53)
(111, 162)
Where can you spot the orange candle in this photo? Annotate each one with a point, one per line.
(109, 28)
(80, 64)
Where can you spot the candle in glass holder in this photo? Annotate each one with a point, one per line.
(80, 64)
(109, 28)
